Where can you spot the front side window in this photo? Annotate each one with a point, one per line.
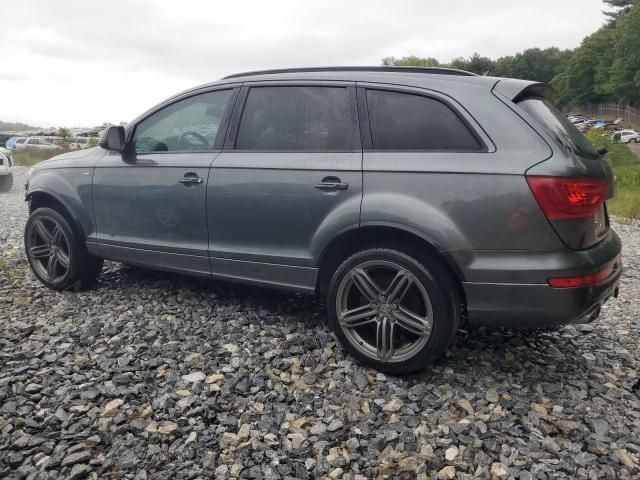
(20, 140)
(313, 118)
(188, 125)
(403, 121)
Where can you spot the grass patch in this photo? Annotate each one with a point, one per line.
(28, 157)
(626, 166)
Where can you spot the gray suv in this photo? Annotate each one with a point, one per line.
(410, 199)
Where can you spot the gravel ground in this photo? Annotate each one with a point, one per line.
(152, 375)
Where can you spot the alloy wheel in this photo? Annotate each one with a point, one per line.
(48, 249)
(384, 311)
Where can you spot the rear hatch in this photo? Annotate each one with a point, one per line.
(573, 185)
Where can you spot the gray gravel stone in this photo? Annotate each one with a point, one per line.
(153, 375)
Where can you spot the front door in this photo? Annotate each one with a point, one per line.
(150, 204)
(288, 180)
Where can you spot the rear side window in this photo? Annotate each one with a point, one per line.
(557, 124)
(403, 121)
(313, 118)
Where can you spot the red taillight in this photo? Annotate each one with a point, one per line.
(583, 281)
(566, 197)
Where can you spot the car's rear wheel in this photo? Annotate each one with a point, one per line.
(56, 254)
(392, 311)
(6, 182)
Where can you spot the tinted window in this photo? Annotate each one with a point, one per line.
(402, 121)
(21, 140)
(190, 124)
(557, 124)
(298, 118)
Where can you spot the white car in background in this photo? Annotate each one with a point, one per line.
(6, 167)
(626, 136)
(35, 142)
(83, 142)
(629, 136)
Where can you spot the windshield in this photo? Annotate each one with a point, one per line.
(557, 124)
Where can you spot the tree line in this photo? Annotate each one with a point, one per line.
(604, 68)
(15, 126)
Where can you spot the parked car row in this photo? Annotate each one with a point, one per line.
(584, 124)
(50, 143)
(615, 128)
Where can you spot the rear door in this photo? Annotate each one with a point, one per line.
(288, 180)
(150, 204)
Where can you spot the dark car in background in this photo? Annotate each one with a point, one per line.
(409, 199)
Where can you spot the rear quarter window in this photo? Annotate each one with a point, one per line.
(404, 121)
(558, 125)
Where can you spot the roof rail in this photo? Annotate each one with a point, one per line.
(431, 70)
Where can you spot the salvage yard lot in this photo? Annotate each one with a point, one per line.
(152, 375)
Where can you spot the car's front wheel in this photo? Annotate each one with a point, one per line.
(392, 311)
(56, 254)
(6, 182)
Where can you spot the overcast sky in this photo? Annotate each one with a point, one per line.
(81, 63)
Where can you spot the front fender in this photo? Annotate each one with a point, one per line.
(70, 187)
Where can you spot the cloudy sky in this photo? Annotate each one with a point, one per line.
(81, 63)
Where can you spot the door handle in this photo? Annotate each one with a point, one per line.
(331, 183)
(190, 179)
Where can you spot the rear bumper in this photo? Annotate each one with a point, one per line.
(536, 304)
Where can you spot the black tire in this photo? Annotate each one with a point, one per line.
(443, 298)
(6, 182)
(83, 269)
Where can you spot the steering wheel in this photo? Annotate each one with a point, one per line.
(190, 133)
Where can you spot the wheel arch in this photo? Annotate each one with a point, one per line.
(372, 235)
(44, 198)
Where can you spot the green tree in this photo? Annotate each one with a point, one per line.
(606, 66)
(587, 71)
(535, 64)
(64, 133)
(410, 61)
(623, 83)
(476, 64)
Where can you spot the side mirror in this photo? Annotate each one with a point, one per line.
(112, 138)
(602, 151)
